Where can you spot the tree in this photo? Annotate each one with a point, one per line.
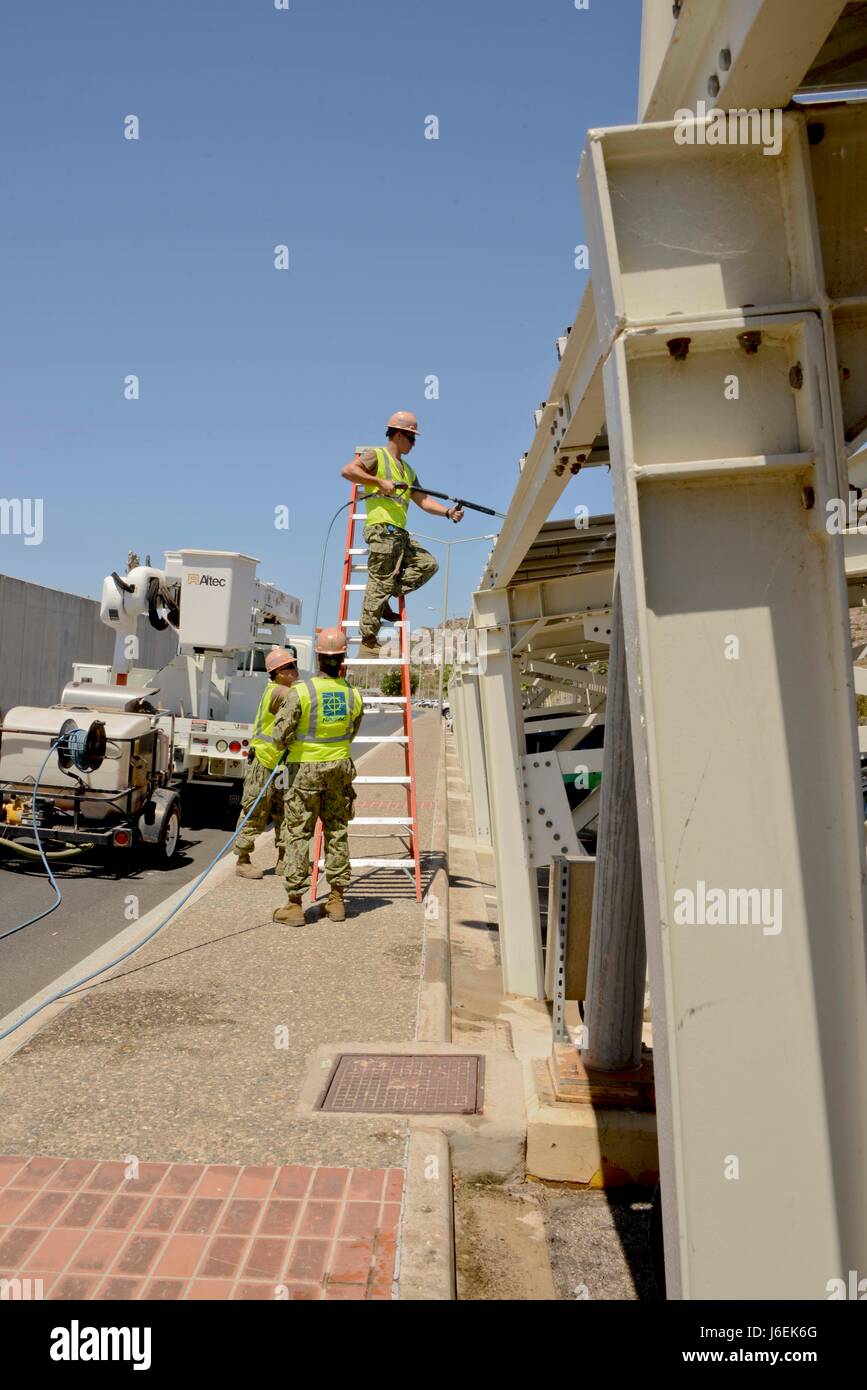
(391, 682)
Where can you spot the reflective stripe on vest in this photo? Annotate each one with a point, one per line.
(329, 708)
(389, 510)
(267, 752)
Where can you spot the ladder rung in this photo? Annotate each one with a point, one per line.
(382, 820)
(357, 550)
(377, 661)
(383, 699)
(359, 516)
(380, 781)
(377, 863)
(386, 623)
(356, 587)
(384, 738)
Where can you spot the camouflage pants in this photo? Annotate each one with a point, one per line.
(322, 790)
(269, 808)
(395, 565)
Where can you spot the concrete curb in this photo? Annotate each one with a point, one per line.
(102, 960)
(427, 1249)
(435, 997)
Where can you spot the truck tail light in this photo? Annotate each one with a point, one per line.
(234, 746)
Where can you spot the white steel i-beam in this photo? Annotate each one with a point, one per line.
(517, 894)
(728, 53)
(723, 442)
(476, 771)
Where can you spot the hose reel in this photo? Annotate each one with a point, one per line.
(81, 750)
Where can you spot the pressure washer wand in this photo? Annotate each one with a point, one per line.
(459, 501)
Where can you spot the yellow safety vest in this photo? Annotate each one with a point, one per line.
(391, 510)
(267, 751)
(329, 708)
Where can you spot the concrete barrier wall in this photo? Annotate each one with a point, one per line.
(43, 631)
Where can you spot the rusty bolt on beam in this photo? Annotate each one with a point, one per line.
(750, 342)
(679, 348)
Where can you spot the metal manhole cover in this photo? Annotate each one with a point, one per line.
(380, 1083)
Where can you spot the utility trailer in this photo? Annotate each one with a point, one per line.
(88, 773)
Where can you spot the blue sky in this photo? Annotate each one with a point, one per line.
(408, 258)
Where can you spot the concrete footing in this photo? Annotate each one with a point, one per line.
(598, 1148)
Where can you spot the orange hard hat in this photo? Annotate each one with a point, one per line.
(277, 657)
(330, 641)
(404, 420)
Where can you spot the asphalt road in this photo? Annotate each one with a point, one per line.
(96, 893)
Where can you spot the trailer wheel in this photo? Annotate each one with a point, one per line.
(166, 846)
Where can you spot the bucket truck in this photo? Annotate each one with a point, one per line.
(131, 738)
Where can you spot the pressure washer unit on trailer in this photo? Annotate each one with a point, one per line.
(102, 761)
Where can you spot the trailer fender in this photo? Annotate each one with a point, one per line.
(155, 813)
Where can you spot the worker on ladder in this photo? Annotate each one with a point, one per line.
(316, 724)
(396, 564)
(281, 663)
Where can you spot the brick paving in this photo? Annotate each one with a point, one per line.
(198, 1231)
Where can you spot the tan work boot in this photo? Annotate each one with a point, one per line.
(334, 906)
(244, 869)
(292, 915)
(370, 650)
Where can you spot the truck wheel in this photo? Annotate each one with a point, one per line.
(166, 846)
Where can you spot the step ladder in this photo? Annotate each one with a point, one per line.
(406, 826)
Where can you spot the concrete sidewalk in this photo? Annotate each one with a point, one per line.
(161, 1106)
